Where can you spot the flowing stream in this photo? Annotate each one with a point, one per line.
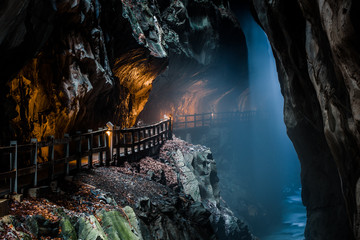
(266, 96)
(293, 219)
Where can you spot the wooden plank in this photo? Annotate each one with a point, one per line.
(60, 160)
(94, 133)
(7, 148)
(99, 149)
(7, 175)
(26, 171)
(44, 165)
(62, 141)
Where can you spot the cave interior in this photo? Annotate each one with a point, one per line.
(290, 171)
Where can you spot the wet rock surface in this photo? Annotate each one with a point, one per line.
(188, 204)
(315, 46)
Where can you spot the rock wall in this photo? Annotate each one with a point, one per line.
(88, 67)
(197, 175)
(74, 65)
(207, 68)
(317, 53)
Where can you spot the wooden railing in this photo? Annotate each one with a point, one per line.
(27, 164)
(211, 119)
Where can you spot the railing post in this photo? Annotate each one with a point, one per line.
(51, 157)
(170, 130)
(126, 153)
(195, 120)
(202, 120)
(90, 149)
(167, 130)
(153, 136)
(110, 127)
(118, 150)
(67, 153)
(138, 141)
(78, 151)
(132, 142)
(101, 159)
(161, 132)
(106, 136)
(185, 121)
(116, 140)
(34, 159)
(144, 136)
(14, 166)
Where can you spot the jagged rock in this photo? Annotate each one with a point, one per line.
(117, 227)
(68, 231)
(32, 225)
(198, 176)
(134, 221)
(89, 228)
(315, 44)
(187, 177)
(14, 234)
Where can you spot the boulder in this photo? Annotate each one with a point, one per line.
(88, 228)
(117, 227)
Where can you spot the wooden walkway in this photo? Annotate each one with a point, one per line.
(211, 119)
(27, 164)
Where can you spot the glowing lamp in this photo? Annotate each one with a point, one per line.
(108, 133)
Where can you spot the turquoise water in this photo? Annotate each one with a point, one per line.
(293, 221)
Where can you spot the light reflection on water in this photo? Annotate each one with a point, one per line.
(293, 220)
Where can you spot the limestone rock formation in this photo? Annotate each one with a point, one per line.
(74, 65)
(317, 54)
(87, 68)
(197, 174)
(207, 67)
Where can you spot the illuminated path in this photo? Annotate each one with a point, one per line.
(212, 119)
(46, 160)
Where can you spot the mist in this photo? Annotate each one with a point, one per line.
(257, 165)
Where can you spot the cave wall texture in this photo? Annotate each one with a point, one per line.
(70, 65)
(76, 64)
(316, 46)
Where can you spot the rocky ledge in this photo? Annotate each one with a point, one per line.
(175, 196)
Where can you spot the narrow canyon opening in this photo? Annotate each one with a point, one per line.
(258, 167)
(179, 119)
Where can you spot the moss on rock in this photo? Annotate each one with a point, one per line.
(116, 226)
(90, 229)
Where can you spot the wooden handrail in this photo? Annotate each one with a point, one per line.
(210, 119)
(101, 142)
